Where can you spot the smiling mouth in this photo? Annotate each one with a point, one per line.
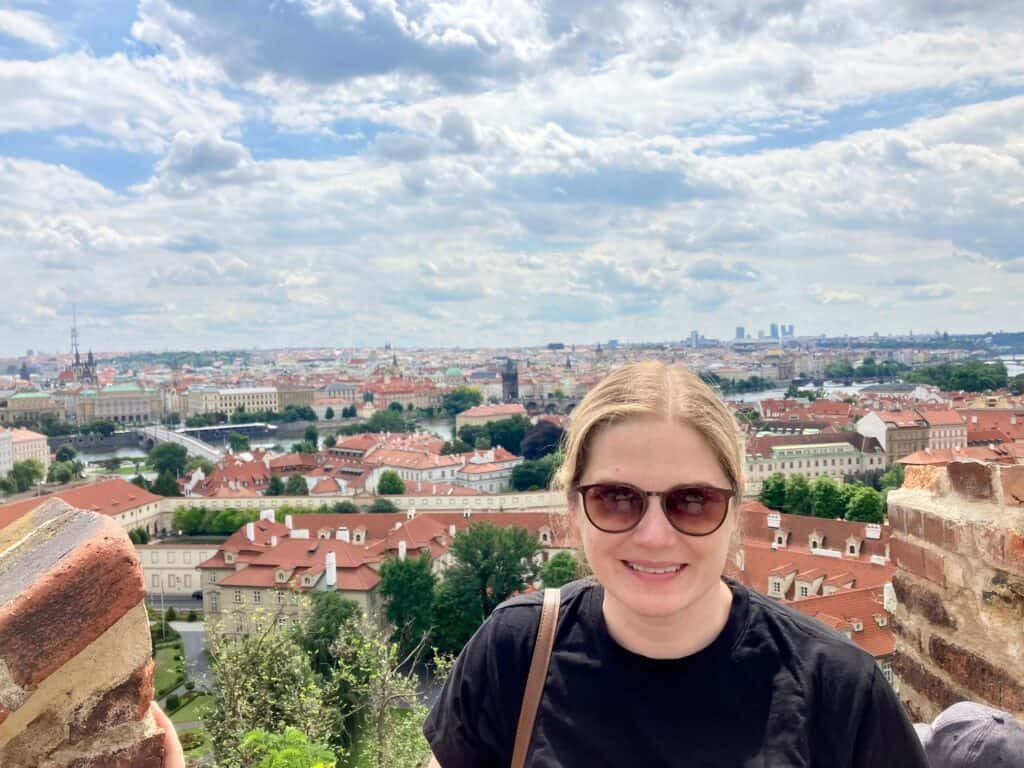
(658, 570)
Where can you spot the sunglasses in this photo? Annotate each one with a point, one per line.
(696, 510)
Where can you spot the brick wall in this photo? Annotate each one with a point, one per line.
(76, 672)
(958, 541)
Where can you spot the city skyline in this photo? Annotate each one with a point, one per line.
(321, 174)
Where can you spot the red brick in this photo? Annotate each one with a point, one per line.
(922, 601)
(934, 529)
(1013, 484)
(970, 479)
(915, 527)
(897, 518)
(62, 588)
(127, 702)
(925, 682)
(148, 753)
(989, 681)
(953, 539)
(934, 568)
(1013, 544)
(907, 556)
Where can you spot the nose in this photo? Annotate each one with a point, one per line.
(654, 530)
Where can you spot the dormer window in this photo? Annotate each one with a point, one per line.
(545, 537)
(780, 539)
(229, 558)
(881, 619)
(858, 625)
(281, 576)
(815, 543)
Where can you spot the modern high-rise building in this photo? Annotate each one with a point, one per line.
(741, 332)
(773, 330)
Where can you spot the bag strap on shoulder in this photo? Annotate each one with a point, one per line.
(538, 672)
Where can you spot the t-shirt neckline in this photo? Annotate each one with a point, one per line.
(722, 645)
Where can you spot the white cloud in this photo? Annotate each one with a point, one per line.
(30, 27)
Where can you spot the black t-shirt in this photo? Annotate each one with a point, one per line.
(775, 688)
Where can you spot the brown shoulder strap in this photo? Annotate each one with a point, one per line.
(538, 673)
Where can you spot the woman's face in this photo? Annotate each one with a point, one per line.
(653, 454)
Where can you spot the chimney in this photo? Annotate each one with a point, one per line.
(288, 522)
(451, 530)
(331, 570)
(410, 513)
(250, 531)
(267, 514)
(273, 541)
(402, 549)
(301, 533)
(343, 534)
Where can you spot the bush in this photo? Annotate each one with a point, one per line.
(173, 702)
(171, 614)
(190, 685)
(192, 616)
(190, 739)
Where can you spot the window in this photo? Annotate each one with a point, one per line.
(170, 557)
(156, 582)
(853, 549)
(803, 590)
(188, 580)
(280, 597)
(238, 595)
(186, 557)
(257, 597)
(154, 557)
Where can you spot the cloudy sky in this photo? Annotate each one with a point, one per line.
(484, 172)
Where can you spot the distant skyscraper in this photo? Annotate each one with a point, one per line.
(773, 330)
(741, 332)
(694, 339)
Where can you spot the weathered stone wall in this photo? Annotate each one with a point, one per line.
(958, 541)
(76, 672)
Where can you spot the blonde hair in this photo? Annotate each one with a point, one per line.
(652, 388)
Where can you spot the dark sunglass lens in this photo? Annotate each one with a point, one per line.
(613, 507)
(696, 510)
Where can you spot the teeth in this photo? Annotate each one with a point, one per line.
(642, 569)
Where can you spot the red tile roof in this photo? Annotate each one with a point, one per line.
(842, 609)
(107, 497)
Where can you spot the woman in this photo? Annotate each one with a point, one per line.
(658, 660)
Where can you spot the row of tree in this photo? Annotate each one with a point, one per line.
(22, 476)
(198, 520)
(868, 368)
(971, 376)
(824, 497)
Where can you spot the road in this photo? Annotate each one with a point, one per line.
(197, 664)
(181, 604)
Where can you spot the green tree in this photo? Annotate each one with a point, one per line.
(60, 472)
(461, 399)
(275, 486)
(142, 482)
(390, 484)
(407, 587)
(104, 428)
(296, 486)
(382, 505)
(168, 457)
(66, 453)
(304, 447)
(348, 412)
(773, 491)
(508, 433)
(330, 441)
(262, 680)
(457, 611)
(311, 435)
(386, 421)
(329, 413)
(826, 500)
(25, 473)
(839, 369)
(535, 475)
(344, 507)
(328, 612)
(846, 494)
(199, 462)
(559, 570)
(865, 506)
(238, 442)
(165, 485)
(798, 495)
(543, 438)
(374, 688)
(396, 407)
(491, 564)
(892, 478)
(291, 749)
(188, 520)
(1016, 384)
(455, 445)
